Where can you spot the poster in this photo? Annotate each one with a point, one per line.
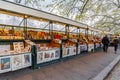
(38, 47)
(5, 64)
(26, 60)
(47, 55)
(52, 55)
(4, 49)
(40, 57)
(68, 51)
(74, 50)
(83, 47)
(97, 45)
(57, 53)
(18, 46)
(79, 50)
(64, 52)
(90, 47)
(17, 62)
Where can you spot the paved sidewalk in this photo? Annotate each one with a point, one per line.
(83, 67)
(115, 73)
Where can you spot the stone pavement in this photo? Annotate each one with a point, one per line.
(83, 67)
(115, 73)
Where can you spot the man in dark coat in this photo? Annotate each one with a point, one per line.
(116, 42)
(105, 42)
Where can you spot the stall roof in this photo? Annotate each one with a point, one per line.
(14, 9)
(97, 30)
(93, 29)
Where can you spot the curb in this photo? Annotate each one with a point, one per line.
(106, 71)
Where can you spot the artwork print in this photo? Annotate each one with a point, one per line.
(26, 59)
(16, 62)
(47, 54)
(40, 56)
(5, 63)
(64, 52)
(57, 53)
(74, 50)
(78, 49)
(68, 51)
(52, 54)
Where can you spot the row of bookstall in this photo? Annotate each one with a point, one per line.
(24, 46)
(41, 48)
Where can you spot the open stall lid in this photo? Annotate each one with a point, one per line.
(14, 9)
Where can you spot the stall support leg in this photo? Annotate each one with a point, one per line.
(61, 52)
(34, 57)
(94, 47)
(77, 48)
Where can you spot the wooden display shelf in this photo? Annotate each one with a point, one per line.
(12, 40)
(41, 40)
(64, 39)
(15, 54)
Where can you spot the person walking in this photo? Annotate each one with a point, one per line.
(105, 42)
(115, 42)
(119, 42)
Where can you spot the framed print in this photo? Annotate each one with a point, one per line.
(68, 51)
(4, 50)
(79, 49)
(83, 47)
(18, 46)
(73, 50)
(38, 47)
(17, 62)
(5, 64)
(64, 52)
(47, 55)
(57, 53)
(52, 55)
(40, 57)
(26, 60)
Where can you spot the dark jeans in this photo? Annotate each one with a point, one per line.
(105, 47)
(115, 47)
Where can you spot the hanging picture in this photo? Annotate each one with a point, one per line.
(57, 53)
(16, 62)
(26, 60)
(4, 49)
(52, 56)
(79, 49)
(47, 55)
(68, 51)
(18, 46)
(40, 57)
(5, 64)
(64, 52)
(83, 47)
(74, 50)
(38, 47)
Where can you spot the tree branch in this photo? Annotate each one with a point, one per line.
(84, 6)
